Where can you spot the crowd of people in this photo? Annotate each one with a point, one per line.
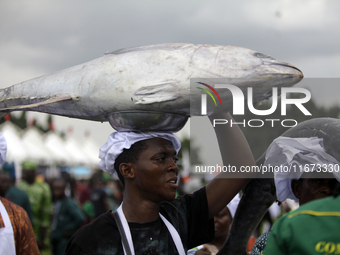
(47, 212)
(133, 206)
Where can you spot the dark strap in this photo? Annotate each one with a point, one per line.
(122, 233)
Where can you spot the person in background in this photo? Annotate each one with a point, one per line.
(305, 185)
(99, 196)
(114, 197)
(67, 218)
(70, 190)
(85, 202)
(16, 232)
(222, 222)
(15, 195)
(311, 229)
(40, 197)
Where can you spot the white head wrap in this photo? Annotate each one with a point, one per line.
(124, 140)
(293, 157)
(3, 149)
(233, 204)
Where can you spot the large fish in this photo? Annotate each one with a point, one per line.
(145, 87)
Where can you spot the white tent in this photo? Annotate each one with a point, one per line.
(55, 144)
(32, 139)
(91, 150)
(75, 151)
(49, 149)
(16, 151)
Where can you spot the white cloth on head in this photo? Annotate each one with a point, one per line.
(118, 141)
(3, 149)
(233, 204)
(293, 157)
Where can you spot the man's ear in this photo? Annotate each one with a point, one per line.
(296, 187)
(127, 170)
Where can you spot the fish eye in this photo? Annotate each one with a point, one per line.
(261, 55)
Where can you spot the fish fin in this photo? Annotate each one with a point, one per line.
(51, 100)
(156, 93)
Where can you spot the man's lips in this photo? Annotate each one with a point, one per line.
(173, 181)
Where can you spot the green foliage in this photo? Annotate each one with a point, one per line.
(22, 122)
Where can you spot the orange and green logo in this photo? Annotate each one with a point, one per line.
(204, 97)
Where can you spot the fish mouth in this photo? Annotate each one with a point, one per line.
(289, 70)
(276, 68)
(273, 67)
(275, 74)
(288, 65)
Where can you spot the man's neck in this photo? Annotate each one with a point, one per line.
(138, 210)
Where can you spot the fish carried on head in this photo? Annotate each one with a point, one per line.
(145, 88)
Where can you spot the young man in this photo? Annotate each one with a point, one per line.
(15, 195)
(67, 218)
(154, 221)
(311, 229)
(305, 182)
(305, 170)
(40, 197)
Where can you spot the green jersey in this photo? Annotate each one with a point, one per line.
(311, 229)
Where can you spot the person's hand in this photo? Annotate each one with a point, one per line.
(203, 251)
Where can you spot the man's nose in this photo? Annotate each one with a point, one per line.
(173, 165)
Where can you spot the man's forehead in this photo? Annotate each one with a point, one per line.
(59, 183)
(159, 142)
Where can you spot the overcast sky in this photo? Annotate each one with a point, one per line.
(40, 37)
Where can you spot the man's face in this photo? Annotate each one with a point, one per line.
(309, 188)
(59, 188)
(156, 171)
(5, 183)
(222, 223)
(28, 176)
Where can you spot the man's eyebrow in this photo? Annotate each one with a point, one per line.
(164, 153)
(159, 153)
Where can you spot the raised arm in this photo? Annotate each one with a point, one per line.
(235, 151)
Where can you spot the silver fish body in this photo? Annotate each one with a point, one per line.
(145, 88)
